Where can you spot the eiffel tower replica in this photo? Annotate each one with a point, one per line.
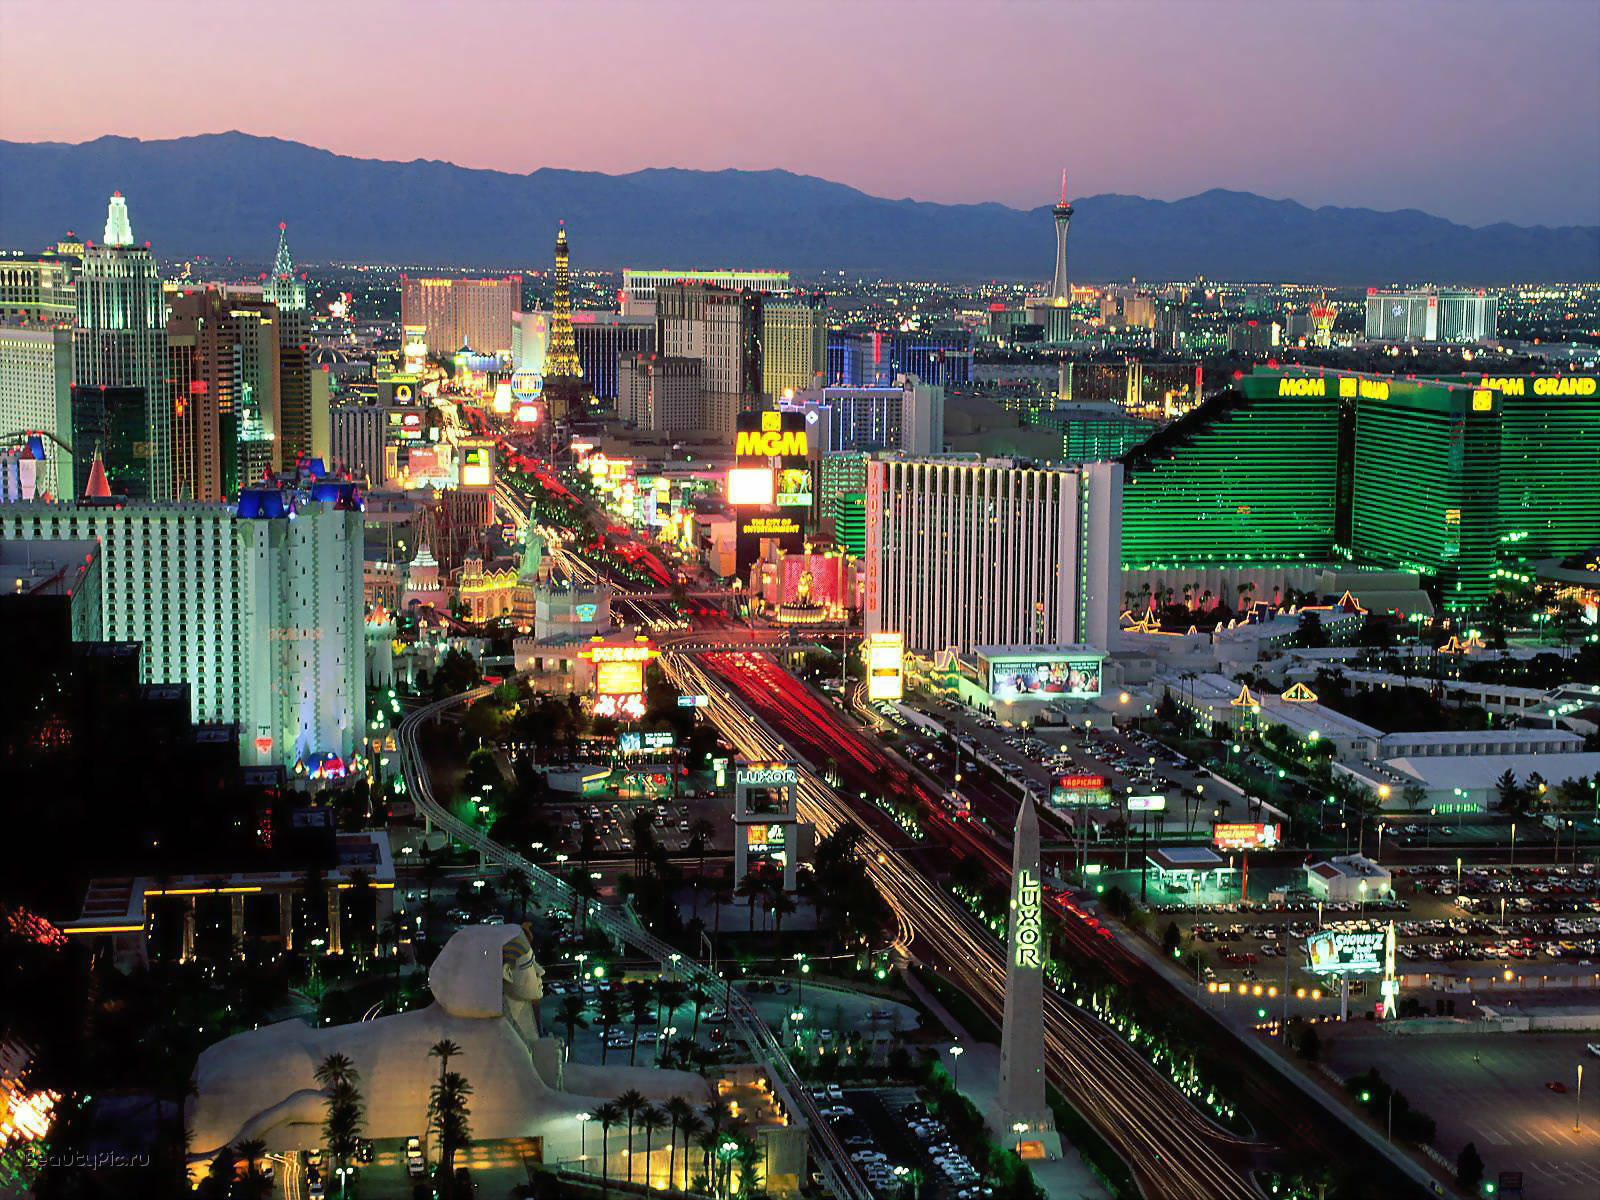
(564, 389)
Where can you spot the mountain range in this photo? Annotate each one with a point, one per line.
(223, 194)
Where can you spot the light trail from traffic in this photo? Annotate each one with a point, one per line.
(1170, 1148)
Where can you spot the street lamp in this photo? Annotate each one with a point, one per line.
(583, 1138)
(955, 1064)
(1018, 1128)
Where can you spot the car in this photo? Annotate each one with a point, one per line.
(1593, 1048)
(835, 1111)
(314, 1189)
(1555, 1085)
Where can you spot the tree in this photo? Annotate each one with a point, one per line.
(631, 1102)
(608, 1114)
(346, 1117)
(652, 1120)
(1469, 1166)
(521, 889)
(751, 889)
(449, 1118)
(1413, 796)
(444, 1050)
(255, 1185)
(571, 1016)
(679, 1113)
(780, 905)
(609, 1016)
(1310, 1046)
(693, 1127)
(640, 1005)
(1310, 633)
(1511, 796)
(1172, 938)
(698, 997)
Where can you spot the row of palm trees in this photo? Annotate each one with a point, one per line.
(638, 1000)
(709, 1129)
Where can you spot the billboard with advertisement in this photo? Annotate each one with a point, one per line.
(793, 488)
(1241, 835)
(885, 655)
(751, 486)
(653, 739)
(1155, 803)
(752, 528)
(477, 464)
(760, 437)
(1338, 952)
(1080, 791)
(1044, 678)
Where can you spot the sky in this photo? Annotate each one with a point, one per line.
(1476, 110)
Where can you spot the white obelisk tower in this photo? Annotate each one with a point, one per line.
(1022, 1119)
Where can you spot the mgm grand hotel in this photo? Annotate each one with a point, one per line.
(1297, 472)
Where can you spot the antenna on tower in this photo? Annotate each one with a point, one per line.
(1063, 185)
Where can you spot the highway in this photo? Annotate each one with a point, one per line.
(1171, 1149)
(829, 1155)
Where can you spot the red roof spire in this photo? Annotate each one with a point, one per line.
(99, 487)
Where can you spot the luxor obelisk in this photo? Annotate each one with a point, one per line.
(1022, 1119)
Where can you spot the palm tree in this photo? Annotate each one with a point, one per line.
(652, 1120)
(521, 889)
(670, 995)
(608, 1114)
(699, 997)
(571, 1015)
(707, 1141)
(449, 1116)
(700, 835)
(256, 1185)
(780, 905)
(751, 888)
(610, 1016)
(639, 1006)
(679, 1113)
(630, 1102)
(342, 1127)
(444, 1050)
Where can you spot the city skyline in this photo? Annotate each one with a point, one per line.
(1148, 107)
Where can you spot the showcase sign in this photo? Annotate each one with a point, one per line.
(1330, 952)
(1243, 836)
(1044, 678)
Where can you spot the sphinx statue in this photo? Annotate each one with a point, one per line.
(486, 987)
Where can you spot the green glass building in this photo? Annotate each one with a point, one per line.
(850, 523)
(1249, 478)
(1453, 478)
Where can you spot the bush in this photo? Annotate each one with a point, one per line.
(1469, 1166)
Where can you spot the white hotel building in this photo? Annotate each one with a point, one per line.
(261, 617)
(965, 552)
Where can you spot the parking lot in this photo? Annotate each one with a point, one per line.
(1494, 1090)
(673, 823)
(889, 1133)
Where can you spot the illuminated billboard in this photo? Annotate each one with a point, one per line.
(1331, 952)
(750, 485)
(793, 488)
(1042, 678)
(619, 677)
(768, 776)
(1147, 804)
(653, 739)
(1080, 791)
(762, 436)
(1245, 836)
(885, 654)
(477, 465)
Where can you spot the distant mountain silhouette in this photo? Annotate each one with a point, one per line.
(224, 194)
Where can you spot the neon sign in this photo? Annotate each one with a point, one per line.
(1027, 932)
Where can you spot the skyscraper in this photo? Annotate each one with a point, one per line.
(1060, 289)
(963, 552)
(281, 286)
(121, 340)
(457, 312)
(722, 328)
(35, 395)
(794, 341)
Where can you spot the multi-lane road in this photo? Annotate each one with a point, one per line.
(1170, 1147)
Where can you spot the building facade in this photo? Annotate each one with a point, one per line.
(257, 611)
(660, 393)
(462, 312)
(721, 328)
(639, 288)
(121, 339)
(966, 552)
(794, 342)
(36, 395)
(907, 417)
(37, 292)
(1431, 316)
(356, 440)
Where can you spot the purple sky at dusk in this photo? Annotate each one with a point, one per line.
(1477, 110)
